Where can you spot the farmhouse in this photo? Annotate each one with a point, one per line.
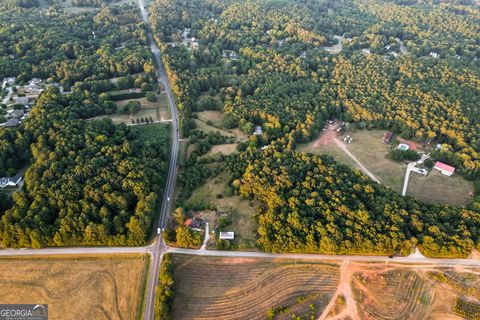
(388, 137)
(258, 130)
(10, 181)
(444, 168)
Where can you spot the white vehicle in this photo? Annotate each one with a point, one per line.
(158, 230)
(168, 199)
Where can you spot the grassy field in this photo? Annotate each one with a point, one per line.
(242, 212)
(243, 288)
(368, 147)
(216, 118)
(77, 287)
(156, 111)
(331, 149)
(438, 188)
(157, 131)
(225, 149)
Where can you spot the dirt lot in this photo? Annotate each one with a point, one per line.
(240, 288)
(80, 287)
(438, 188)
(240, 210)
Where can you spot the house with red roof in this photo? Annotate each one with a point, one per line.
(444, 168)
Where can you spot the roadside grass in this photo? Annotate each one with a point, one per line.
(438, 188)
(241, 211)
(82, 287)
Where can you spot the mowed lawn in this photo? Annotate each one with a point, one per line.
(77, 287)
(212, 194)
(438, 188)
(246, 288)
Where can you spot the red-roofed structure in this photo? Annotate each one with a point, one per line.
(444, 168)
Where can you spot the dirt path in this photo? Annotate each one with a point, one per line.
(342, 146)
(344, 289)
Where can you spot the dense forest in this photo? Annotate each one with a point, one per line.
(407, 66)
(67, 48)
(88, 182)
(313, 204)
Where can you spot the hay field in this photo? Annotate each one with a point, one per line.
(79, 287)
(240, 288)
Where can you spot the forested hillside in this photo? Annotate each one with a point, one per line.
(287, 67)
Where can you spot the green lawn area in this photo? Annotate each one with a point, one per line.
(241, 211)
(438, 188)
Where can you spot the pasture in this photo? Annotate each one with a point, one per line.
(77, 287)
(245, 288)
(438, 188)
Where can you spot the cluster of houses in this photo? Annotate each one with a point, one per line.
(15, 117)
(412, 145)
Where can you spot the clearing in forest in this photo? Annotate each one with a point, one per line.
(239, 212)
(77, 287)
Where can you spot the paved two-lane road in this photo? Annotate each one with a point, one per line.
(157, 249)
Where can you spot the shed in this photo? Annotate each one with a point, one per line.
(388, 137)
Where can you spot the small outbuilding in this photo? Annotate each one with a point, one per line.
(444, 168)
(388, 137)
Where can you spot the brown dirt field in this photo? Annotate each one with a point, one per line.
(221, 288)
(81, 287)
(438, 188)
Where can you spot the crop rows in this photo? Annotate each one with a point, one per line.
(247, 291)
(398, 296)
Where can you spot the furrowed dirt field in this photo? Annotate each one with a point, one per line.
(81, 287)
(232, 288)
(246, 288)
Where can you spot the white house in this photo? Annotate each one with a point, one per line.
(444, 168)
(227, 235)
